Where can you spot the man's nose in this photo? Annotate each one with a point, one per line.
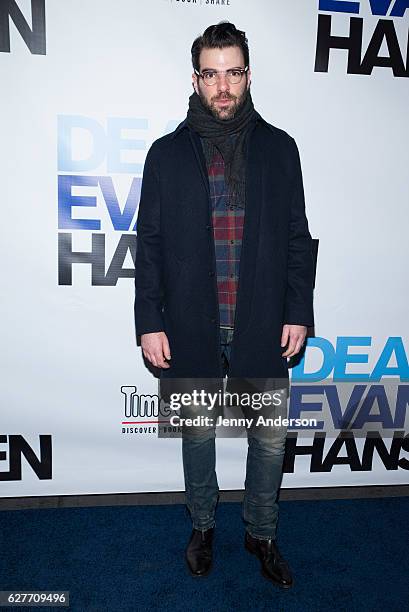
(222, 83)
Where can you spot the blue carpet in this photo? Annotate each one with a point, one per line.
(346, 555)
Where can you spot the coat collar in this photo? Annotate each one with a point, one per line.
(179, 128)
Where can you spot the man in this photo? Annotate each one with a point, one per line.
(224, 278)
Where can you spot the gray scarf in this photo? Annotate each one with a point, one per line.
(216, 133)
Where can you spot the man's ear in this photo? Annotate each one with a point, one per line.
(248, 78)
(194, 82)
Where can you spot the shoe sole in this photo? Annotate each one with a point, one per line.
(265, 575)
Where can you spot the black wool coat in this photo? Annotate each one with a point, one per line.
(175, 266)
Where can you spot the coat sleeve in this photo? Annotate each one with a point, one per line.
(300, 278)
(149, 291)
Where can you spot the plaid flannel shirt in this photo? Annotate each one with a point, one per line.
(227, 233)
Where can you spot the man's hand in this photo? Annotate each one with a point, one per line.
(295, 336)
(155, 347)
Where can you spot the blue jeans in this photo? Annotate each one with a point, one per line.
(265, 456)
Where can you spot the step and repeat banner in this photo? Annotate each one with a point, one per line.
(86, 87)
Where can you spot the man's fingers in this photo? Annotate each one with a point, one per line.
(290, 348)
(296, 342)
(156, 359)
(295, 336)
(155, 348)
(297, 347)
(161, 362)
(151, 358)
(165, 348)
(163, 352)
(284, 335)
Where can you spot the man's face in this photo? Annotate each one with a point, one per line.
(222, 99)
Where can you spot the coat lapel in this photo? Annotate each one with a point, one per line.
(198, 149)
(248, 256)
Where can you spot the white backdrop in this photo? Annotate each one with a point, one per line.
(115, 77)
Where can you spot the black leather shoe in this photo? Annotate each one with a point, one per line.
(273, 566)
(199, 552)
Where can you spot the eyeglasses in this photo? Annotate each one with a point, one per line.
(233, 76)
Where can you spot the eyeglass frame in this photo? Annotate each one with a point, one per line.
(241, 70)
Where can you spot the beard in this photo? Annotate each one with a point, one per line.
(220, 112)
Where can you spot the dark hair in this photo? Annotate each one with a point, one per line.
(223, 34)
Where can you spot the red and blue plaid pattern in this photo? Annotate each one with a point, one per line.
(228, 233)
